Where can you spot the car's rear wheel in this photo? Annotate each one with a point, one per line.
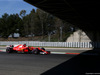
(9, 50)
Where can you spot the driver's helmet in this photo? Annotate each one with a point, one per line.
(24, 45)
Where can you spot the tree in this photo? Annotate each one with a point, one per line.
(58, 25)
(32, 22)
(13, 23)
(41, 17)
(4, 26)
(25, 19)
(23, 13)
(9, 24)
(47, 22)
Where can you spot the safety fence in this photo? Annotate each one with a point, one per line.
(55, 44)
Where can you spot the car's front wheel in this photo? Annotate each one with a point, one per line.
(35, 51)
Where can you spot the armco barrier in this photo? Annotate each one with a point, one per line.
(54, 44)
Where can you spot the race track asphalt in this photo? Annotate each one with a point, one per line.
(86, 63)
(29, 64)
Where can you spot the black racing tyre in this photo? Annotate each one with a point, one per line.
(9, 50)
(29, 51)
(36, 51)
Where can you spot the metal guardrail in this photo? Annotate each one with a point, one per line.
(54, 44)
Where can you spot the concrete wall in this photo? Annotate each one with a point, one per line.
(78, 36)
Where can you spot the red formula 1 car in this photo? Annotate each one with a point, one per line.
(22, 48)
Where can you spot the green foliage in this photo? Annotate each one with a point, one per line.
(9, 24)
(38, 23)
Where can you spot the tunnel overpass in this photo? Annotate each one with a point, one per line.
(83, 14)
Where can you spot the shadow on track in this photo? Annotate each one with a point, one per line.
(87, 63)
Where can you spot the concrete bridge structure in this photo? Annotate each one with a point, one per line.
(83, 14)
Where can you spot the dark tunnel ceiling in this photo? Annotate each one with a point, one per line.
(84, 13)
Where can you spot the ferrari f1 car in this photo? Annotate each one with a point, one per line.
(22, 48)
